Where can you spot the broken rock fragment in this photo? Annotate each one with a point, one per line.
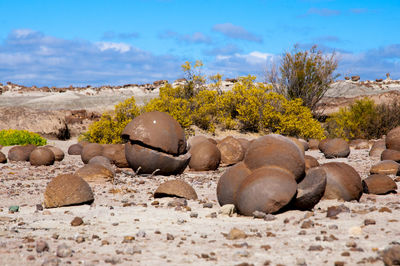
(175, 188)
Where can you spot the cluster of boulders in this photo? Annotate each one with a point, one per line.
(273, 177)
(37, 156)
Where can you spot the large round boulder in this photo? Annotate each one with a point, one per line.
(75, 149)
(379, 184)
(313, 144)
(276, 150)
(175, 188)
(377, 148)
(20, 153)
(392, 155)
(343, 182)
(91, 150)
(42, 156)
(205, 156)
(245, 143)
(157, 130)
(152, 161)
(194, 140)
(66, 190)
(103, 161)
(335, 148)
(393, 139)
(311, 189)
(387, 167)
(229, 182)
(58, 153)
(266, 189)
(156, 142)
(3, 158)
(116, 154)
(231, 150)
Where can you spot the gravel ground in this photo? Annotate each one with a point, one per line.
(125, 224)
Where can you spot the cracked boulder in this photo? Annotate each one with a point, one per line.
(156, 143)
(231, 150)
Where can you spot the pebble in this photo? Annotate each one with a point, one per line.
(301, 262)
(208, 205)
(269, 217)
(259, 215)
(41, 246)
(339, 263)
(79, 239)
(170, 237)
(76, 221)
(315, 248)
(307, 224)
(64, 251)
(113, 260)
(51, 261)
(13, 208)
(133, 251)
(369, 222)
(194, 215)
(227, 209)
(236, 233)
(141, 233)
(39, 207)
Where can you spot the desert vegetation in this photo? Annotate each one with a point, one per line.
(20, 137)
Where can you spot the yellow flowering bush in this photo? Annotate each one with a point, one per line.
(9, 137)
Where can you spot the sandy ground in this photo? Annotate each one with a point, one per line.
(173, 235)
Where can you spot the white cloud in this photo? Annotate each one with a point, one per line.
(119, 47)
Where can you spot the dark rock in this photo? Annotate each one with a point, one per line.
(91, 150)
(379, 184)
(58, 153)
(392, 155)
(116, 154)
(393, 139)
(41, 156)
(310, 162)
(20, 153)
(335, 148)
(77, 221)
(391, 256)
(3, 158)
(205, 156)
(75, 149)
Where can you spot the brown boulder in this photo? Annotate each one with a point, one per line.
(393, 139)
(193, 141)
(20, 153)
(322, 144)
(58, 153)
(175, 188)
(276, 150)
(385, 167)
(245, 143)
(379, 184)
(392, 155)
(335, 148)
(311, 189)
(377, 148)
(302, 144)
(157, 130)
(151, 160)
(355, 78)
(42, 156)
(343, 182)
(205, 156)
(66, 190)
(91, 150)
(116, 154)
(229, 183)
(103, 161)
(231, 150)
(3, 158)
(313, 144)
(310, 162)
(75, 149)
(95, 173)
(359, 144)
(267, 189)
(391, 255)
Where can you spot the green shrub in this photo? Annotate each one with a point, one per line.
(9, 137)
(111, 124)
(364, 119)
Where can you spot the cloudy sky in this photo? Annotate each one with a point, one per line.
(68, 42)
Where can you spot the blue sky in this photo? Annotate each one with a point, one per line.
(59, 43)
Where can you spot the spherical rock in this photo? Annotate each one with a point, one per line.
(151, 160)
(205, 156)
(58, 153)
(193, 141)
(65, 190)
(386, 167)
(393, 139)
(231, 150)
(377, 148)
(42, 156)
(3, 158)
(229, 183)
(245, 143)
(175, 188)
(322, 143)
(91, 150)
(379, 184)
(276, 150)
(313, 144)
(157, 130)
(392, 155)
(75, 149)
(103, 161)
(116, 154)
(311, 189)
(310, 162)
(343, 182)
(20, 153)
(335, 148)
(266, 189)
(95, 173)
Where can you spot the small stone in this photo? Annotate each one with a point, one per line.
(141, 234)
(133, 251)
(333, 227)
(355, 230)
(385, 209)
(227, 209)
(79, 239)
(194, 215)
(105, 242)
(208, 205)
(339, 263)
(39, 207)
(369, 222)
(113, 260)
(170, 237)
(315, 248)
(266, 247)
(236, 234)
(301, 262)
(30, 257)
(307, 224)
(155, 203)
(351, 244)
(345, 254)
(259, 215)
(13, 208)
(181, 221)
(51, 261)
(76, 221)
(64, 251)
(269, 217)
(41, 246)
(128, 239)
